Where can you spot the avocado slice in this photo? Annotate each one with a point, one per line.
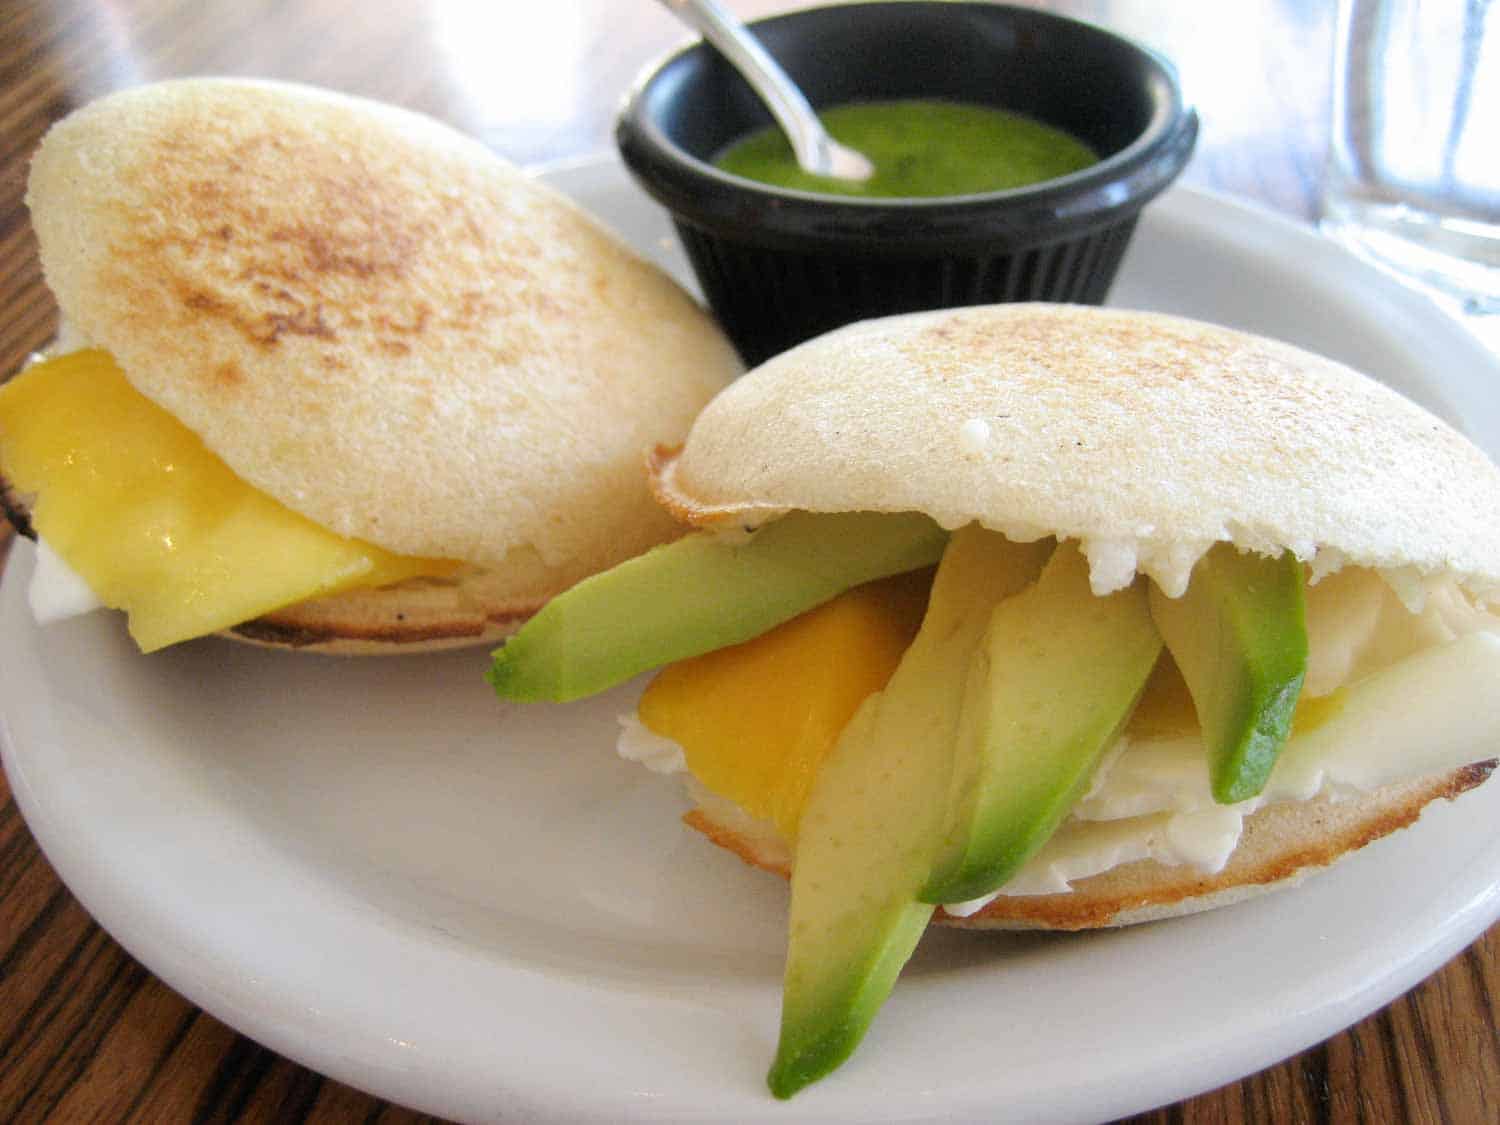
(702, 592)
(854, 919)
(874, 819)
(1239, 637)
(1056, 676)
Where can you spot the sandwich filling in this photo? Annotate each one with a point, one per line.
(137, 514)
(1388, 695)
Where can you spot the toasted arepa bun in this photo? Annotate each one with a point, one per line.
(1281, 845)
(1146, 437)
(382, 325)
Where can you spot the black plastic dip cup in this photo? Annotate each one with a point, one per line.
(779, 265)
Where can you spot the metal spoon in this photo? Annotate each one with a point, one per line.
(815, 150)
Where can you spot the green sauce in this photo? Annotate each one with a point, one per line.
(920, 148)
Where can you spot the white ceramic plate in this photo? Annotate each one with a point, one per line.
(377, 869)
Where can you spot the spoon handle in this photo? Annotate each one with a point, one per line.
(810, 143)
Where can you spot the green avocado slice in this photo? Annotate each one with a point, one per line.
(699, 593)
(854, 919)
(1056, 676)
(875, 817)
(1239, 637)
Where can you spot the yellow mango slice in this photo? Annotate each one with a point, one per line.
(755, 720)
(155, 523)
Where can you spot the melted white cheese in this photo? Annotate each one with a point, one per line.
(56, 590)
(639, 743)
(973, 437)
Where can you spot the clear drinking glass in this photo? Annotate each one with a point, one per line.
(1413, 176)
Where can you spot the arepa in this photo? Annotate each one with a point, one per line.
(382, 326)
(1147, 439)
(1213, 613)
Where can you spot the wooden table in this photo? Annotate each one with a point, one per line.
(87, 1034)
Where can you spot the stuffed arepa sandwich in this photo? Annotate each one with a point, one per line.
(1043, 616)
(332, 375)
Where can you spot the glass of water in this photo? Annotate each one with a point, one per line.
(1413, 176)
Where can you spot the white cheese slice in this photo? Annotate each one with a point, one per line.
(639, 743)
(56, 590)
(1079, 849)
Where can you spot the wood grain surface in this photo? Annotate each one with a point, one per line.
(87, 1034)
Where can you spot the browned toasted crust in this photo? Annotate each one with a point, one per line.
(1281, 844)
(418, 615)
(391, 635)
(659, 464)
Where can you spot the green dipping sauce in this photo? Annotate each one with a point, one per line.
(919, 148)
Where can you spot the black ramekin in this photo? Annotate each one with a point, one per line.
(778, 266)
